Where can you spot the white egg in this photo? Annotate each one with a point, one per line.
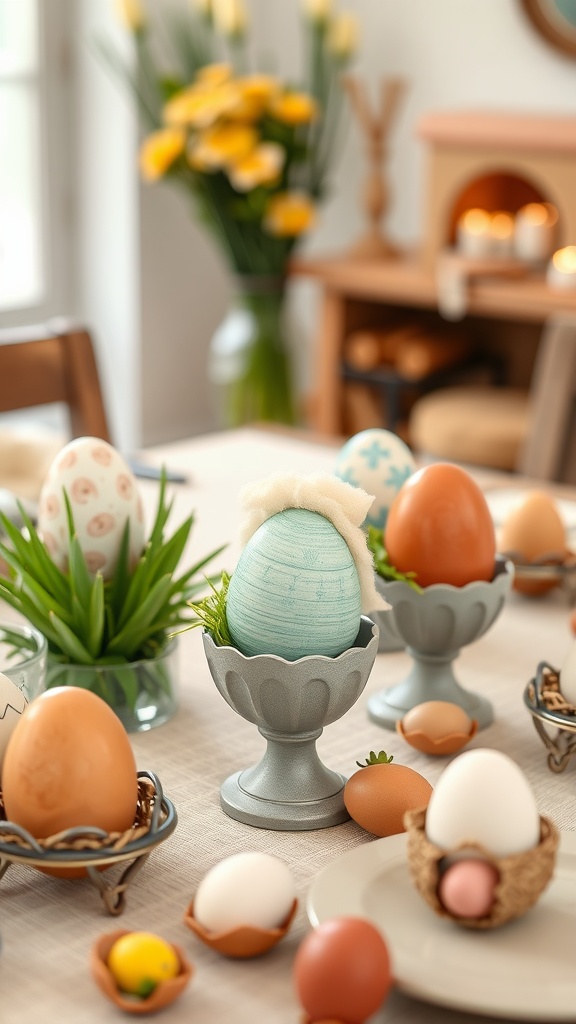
(379, 462)
(246, 889)
(13, 704)
(103, 495)
(568, 675)
(483, 797)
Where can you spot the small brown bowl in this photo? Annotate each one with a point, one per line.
(164, 993)
(446, 745)
(242, 942)
(522, 876)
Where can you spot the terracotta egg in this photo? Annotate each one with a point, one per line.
(69, 762)
(437, 727)
(378, 796)
(533, 530)
(103, 495)
(379, 462)
(342, 971)
(439, 527)
(295, 590)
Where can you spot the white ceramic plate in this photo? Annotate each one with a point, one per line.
(524, 970)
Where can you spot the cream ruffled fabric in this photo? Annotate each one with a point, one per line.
(344, 505)
(25, 458)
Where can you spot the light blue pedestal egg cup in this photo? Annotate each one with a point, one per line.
(290, 702)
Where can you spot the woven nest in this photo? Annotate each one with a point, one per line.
(112, 843)
(522, 876)
(549, 693)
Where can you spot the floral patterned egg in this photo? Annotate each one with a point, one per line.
(295, 590)
(103, 494)
(379, 462)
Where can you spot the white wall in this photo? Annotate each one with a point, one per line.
(154, 285)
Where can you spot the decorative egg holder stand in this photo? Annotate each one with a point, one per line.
(434, 624)
(291, 702)
(545, 703)
(58, 852)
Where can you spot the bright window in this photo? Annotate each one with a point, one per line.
(22, 276)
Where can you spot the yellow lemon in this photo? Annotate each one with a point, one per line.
(139, 961)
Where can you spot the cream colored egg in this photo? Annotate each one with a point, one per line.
(483, 797)
(103, 496)
(13, 704)
(534, 528)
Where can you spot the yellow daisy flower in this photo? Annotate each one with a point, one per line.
(262, 166)
(255, 92)
(214, 74)
(289, 214)
(159, 151)
(200, 107)
(294, 108)
(222, 145)
(344, 34)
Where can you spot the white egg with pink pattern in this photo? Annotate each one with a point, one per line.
(103, 496)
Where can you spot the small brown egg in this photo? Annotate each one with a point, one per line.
(534, 530)
(437, 727)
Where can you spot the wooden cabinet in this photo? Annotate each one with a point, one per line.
(509, 313)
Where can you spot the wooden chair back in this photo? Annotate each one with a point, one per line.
(53, 363)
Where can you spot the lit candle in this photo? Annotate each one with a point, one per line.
(502, 233)
(473, 233)
(534, 231)
(561, 271)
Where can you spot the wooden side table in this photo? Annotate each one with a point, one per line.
(354, 292)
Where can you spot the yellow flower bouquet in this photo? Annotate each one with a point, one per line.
(254, 153)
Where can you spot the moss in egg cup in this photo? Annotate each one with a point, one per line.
(163, 994)
(522, 877)
(110, 632)
(242, 942)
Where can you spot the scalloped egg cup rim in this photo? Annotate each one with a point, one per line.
(506, 570)
(242, 941)
(445, 745)
(349, 652)
(164, 993)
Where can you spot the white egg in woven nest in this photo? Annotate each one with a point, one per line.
(483, 797)
(103, 496)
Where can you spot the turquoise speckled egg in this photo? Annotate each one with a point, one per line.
(295, 590)
(379, 462)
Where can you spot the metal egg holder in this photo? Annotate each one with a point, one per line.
(31, 852)
(545, 703)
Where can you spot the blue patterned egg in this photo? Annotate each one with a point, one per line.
(295, 590)
(379, 462)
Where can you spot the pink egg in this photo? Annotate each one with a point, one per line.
(467, 887)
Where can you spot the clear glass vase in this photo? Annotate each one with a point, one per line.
(249, 360)
(143, 693)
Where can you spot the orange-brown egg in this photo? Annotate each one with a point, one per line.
(437, 727)
(532, 531)
(439, 527)
(378, 795)
(69, 762)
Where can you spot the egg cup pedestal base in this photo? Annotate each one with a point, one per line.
(290, 702)
(435, 623)
(289, 789)
(431, 678)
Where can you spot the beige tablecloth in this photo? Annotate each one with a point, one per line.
(48, 925)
